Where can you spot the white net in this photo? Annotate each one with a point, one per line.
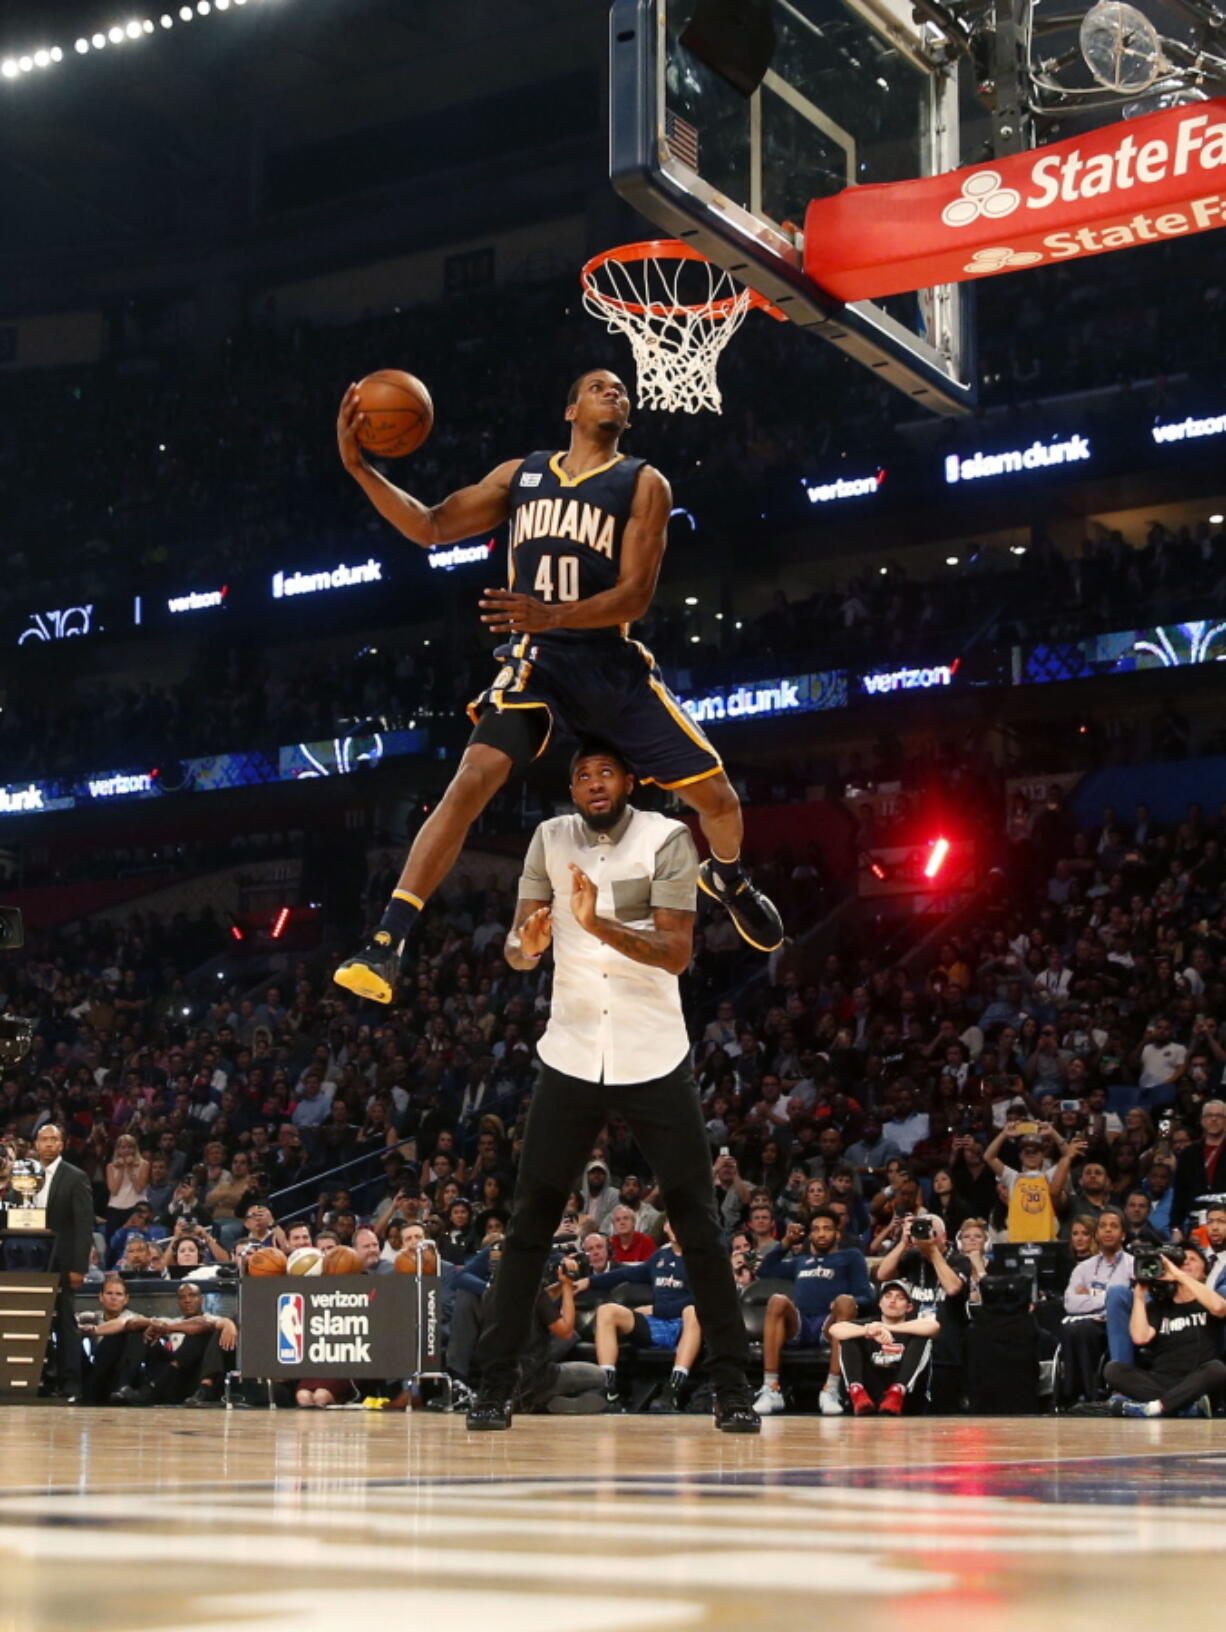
(678, 315)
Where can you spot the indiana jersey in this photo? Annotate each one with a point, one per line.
(566, 533)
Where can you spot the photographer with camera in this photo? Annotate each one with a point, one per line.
(559, 1387)
(940, 1285)
(829, 1284)
(1178, 1320)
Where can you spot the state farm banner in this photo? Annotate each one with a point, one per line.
(1137, 182)
(339, 1325)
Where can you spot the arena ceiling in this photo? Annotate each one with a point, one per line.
(194, 136)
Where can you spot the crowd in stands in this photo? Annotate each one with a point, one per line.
(1055, 1065)
(249, 695)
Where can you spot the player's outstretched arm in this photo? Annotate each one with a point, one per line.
(643, 544)
(472, 509)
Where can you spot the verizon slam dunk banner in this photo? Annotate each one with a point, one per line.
(338, 1325)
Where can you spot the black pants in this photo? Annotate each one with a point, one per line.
(665, 1119)
(1083, 1348)
(69, 1356)
(116, 1364)
(197, 1360)
(855, 1357)
(1174, 1393)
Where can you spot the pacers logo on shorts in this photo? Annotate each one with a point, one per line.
(291, 1310)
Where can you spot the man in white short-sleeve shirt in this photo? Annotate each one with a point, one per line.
(613, 891)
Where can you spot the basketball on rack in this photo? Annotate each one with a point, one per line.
(266, 1261)
(342, 1261)
(398, 413)
(420, 1258)
(306, 1261)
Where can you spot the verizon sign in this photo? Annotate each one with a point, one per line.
(1143, 181)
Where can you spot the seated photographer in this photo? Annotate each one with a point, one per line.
(1083, 1334)
(670, 1321)
(883, 1360)
(560, 1387)
(830, 1284)
(939, 1284)
(116, 1343)
(743, 1258)
(1178, 1320)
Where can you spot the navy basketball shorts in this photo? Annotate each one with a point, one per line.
(611, 690)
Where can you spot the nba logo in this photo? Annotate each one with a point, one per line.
(290, 1312)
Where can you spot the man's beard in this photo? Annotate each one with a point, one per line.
(603, 820)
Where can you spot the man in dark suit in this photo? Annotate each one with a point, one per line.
(1201, 1167)
(66, 1195)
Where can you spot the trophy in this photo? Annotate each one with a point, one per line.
(26, 1177)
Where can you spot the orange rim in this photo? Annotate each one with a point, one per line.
(666, 249)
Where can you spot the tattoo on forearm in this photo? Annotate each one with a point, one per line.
(642, 945)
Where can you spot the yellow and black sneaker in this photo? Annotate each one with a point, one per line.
(372, 972)
(755, 915)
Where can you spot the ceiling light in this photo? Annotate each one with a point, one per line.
(42, 59)
(186, 14)
(1216, 521)
(25, 64)
(8, 68)
(203, 7)
(115, 35)
(694, 639)
(691, 600)
(82, 46)
(951, 560)
(57, 54)
(133, 30)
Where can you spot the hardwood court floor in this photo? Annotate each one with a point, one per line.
(147, 1521)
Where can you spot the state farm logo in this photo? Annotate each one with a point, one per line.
(996, 260)
(983, 195)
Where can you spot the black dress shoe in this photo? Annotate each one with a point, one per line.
(488, 1414)
(371, 973)
(734, 1412)
(754, 915)
(127, 1395)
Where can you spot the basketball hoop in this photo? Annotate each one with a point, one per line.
(677, 309)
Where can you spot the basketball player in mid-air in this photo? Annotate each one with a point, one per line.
(588, 529)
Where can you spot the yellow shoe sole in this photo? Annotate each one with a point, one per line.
(363, 982)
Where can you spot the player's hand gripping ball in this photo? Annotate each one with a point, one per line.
(390, 413)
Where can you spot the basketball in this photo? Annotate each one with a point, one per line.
(266, 1261)
(342, 1261)
(306, 1261)
(399, 413)
(410, 1260)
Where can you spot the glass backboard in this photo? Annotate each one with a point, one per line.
(857, 91)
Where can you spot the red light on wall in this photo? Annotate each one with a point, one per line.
(878, 871)
(237, 933)
(279, 923)
(936, 857)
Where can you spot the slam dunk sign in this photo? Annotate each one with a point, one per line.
(1142, 181)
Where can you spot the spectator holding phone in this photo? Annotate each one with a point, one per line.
(1036, 1187)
